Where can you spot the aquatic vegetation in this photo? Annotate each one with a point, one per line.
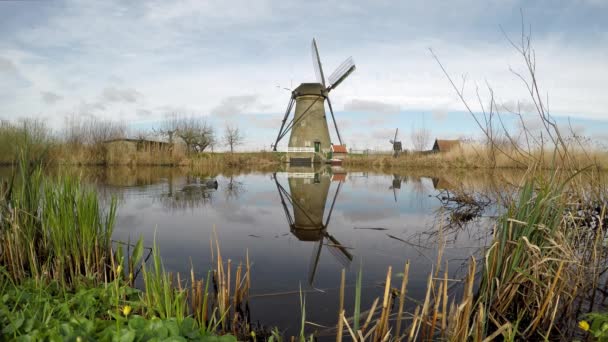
(54, 229)
(48, 312)
(598, 328)
(55, 245)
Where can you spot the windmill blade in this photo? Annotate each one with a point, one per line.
(341, 73)
(339, 252)
(287, 112)
(396, 130)
(314, 262)
(331, 110)
(316, 62)
(333, 202)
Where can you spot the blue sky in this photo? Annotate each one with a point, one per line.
(136, 61)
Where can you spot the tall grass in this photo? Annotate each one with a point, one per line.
(480, 156)
(53, 229)
(30, 135)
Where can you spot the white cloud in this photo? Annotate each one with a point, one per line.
(113, 94)
(141, 60)
(7, 66)
(235, 105)
(49, 97)
(370, 106)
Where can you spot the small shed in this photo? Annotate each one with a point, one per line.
(338, 151)
(442, 145)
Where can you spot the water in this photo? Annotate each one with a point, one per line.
(294, 238)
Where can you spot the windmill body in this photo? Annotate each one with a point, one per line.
(309, 193)
(310, 135)
(309, 140)
(305, 207)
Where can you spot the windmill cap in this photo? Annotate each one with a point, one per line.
(310, 89)
(308, 233)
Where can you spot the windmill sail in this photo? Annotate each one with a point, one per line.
(316, 62)
(342, 72)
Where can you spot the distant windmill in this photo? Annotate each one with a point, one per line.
(397, 148)
(308, 126)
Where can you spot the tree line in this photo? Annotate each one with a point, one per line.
(197, 134)
(78, 131)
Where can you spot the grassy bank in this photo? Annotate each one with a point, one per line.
(62, 277)
(35, 137)
(474, 156)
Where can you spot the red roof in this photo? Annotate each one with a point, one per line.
(338, 177)
(339, 148)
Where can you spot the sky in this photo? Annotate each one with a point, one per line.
(229, 62)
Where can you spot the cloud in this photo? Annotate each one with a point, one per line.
(523, 106)
(125, 95)
(50, 98)
(266, 121)
(140, 112)
(203, 51)
(214, 11)
(235, 105)
(371, 106)
(383, 134)
(86, 108)
(374, 121)
(7, 66)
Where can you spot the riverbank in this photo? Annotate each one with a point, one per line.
(63, 277)
(56, 246)
(472, 156)
(41, 145)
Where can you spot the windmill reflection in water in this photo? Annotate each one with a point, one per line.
(307, 199)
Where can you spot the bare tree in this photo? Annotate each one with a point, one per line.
(420, 138)
(168, 127)
(92, 131)
(196, 134)
(232, 137)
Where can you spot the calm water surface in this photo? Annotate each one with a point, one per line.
(300, 228)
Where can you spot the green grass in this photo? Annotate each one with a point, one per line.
(56, 250)
(33, 312)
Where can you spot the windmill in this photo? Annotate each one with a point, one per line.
(397, 148)
(309, 140)
(307, 220)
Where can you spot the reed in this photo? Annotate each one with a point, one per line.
(53, 229)
(471, 156)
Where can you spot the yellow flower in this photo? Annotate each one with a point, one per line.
(119, 269)
(126, 310)
(253, 334)
(583, 325)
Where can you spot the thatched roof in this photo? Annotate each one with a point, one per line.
(442, 145)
